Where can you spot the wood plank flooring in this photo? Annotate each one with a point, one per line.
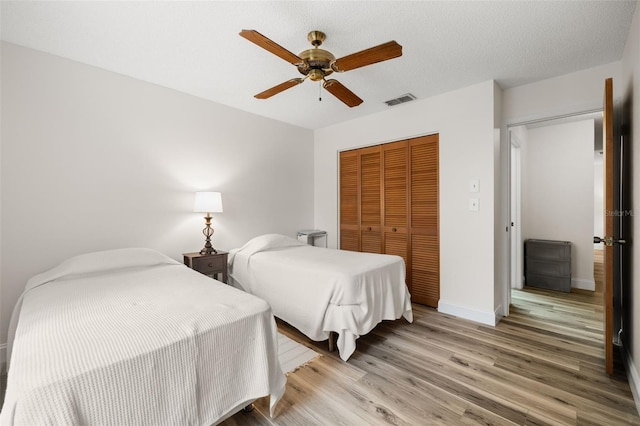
(542, 365)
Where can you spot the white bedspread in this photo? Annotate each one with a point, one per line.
(132, 337)
(318, 290)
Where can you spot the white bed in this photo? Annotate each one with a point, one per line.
(132, 337)
(320, 290)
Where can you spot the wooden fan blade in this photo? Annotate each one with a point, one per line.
(279, 88)
(369, 56)
(338, 90)
(271, 46)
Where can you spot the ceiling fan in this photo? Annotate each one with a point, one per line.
(316, 63)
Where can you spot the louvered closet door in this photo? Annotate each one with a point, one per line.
(424, 226)
(349, 201)
(370, 200)
(395, 178)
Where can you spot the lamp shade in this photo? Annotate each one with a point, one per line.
(208, 202)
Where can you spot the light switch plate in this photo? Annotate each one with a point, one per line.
(474, 204)
(474, 185)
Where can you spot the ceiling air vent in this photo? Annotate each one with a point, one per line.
(400, 100)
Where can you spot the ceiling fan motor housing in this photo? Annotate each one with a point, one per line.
(317, 63)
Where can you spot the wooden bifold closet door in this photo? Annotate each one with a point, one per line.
(395, 198)
(370, 197)
(389, 204)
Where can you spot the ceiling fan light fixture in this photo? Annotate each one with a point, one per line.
(316, 75)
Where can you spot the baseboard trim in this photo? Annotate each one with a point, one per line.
(498, 314)
(489, 318)
(583, 284)
(632, 376)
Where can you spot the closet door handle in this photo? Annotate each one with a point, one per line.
(394, 229)
(368, 228)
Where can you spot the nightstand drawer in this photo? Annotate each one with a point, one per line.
(209, 265)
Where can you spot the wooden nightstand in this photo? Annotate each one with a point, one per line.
(208, 264)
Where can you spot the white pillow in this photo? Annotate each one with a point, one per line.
(272, 241)
(263, 243)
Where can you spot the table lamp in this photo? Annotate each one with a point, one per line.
(208, 202)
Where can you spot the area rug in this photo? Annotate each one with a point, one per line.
(292, 355)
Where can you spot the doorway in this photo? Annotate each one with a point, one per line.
(549, 162)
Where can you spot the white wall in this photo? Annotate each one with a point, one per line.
(94, 160)
(577, 92)
(465, 122)
(557, 191)
(630, 87)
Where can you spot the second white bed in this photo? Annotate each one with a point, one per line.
(319, 290)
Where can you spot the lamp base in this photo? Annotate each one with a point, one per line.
(208, 232)
(208, 250)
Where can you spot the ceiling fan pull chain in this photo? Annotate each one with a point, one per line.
(320, 91)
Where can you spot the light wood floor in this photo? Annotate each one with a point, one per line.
(542, 365)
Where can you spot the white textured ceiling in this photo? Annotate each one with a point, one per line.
(194, 47)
